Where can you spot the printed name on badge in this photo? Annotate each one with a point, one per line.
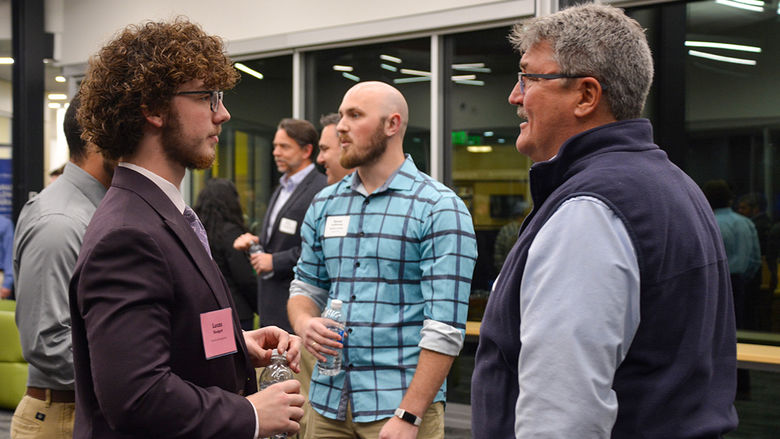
(288, 226)
(216, 327)
(336, 225)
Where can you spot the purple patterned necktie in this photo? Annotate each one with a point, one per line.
(197, 227)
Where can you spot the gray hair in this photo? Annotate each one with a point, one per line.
(329, 119)
(599, 41)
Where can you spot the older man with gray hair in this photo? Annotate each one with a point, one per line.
(612, 315)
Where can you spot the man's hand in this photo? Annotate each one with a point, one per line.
(243, 242)
(262, 262)
(318, 339)
(279, 408)
(261, 342)
(396, 428)
(5, 293)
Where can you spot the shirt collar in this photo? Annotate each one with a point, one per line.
(86, 183)
(291, 182)
(401, 179)
(166, 186)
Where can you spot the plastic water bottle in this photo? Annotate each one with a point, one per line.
(276, 372)
(257, 248)
(332, 366)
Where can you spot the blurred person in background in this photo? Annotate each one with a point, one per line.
(219, 209)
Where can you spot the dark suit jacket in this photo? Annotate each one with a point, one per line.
(236, 269)
(141, 282)
(286, 248)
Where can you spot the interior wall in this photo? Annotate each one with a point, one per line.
(234, 20)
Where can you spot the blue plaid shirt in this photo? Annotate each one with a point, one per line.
(402, 265)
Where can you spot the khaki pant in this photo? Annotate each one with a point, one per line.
(36, 419)
(308, 363)
(320, 427)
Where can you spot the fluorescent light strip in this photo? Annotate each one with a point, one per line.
(463, 77)
(248, 71)
(414, 79)
(350, 76)
(738, 5)
(488, 133)
(388, 67)
(54, 105)
(747, 62)
(339, 68)
(479, 148)
(390, 58)
(415, 72)
(57, 96)
(6, 60)
(470, 82)
(60, 78)
(713, 45)
(469, 65)
(473, 69)
(751, 2)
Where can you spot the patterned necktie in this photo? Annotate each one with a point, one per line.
(197, 227)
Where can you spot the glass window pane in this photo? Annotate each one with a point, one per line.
(244, 152)
(404, 64)
(487, 171)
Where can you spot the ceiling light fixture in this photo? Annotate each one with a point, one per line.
(413, 79)
(350, 76)
(248, 70)
(470, 82)
(390, 58)
(60, 78)
(54, 105)
(57, 96)
(463, 77)
(340, 68)
(727, 46)
(415, 72)
(729, 59)
(6, 60)
(740, 5)
(388, 67)
(479, 148)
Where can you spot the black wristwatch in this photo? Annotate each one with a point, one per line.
(408, 417)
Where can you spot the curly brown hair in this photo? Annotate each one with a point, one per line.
(141, 69)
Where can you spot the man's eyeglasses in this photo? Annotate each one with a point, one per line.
(522, 77)
(215, 97)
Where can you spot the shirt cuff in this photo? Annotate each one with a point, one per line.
(317, 294)
(257, 421)
(441, 337)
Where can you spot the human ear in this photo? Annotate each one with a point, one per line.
(392, 124)
(590, 93)
(155, 118)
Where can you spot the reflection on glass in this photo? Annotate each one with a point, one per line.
(487, 171)
(404, 64)
(732, 129)
(259, 101)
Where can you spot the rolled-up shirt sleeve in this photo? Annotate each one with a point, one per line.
(579, 312)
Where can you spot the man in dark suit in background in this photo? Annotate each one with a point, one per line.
(280, 234)
(156, 343)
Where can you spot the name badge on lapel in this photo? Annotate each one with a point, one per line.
(288, 226)
(219, 338)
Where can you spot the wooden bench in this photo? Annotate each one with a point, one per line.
(749, 355)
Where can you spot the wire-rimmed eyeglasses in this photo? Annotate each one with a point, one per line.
(522, 77)
(215, 97)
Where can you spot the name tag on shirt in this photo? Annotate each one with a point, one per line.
(336, 225)
(288, 226)
(216, 327)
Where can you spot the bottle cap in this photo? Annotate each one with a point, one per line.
(336, 303)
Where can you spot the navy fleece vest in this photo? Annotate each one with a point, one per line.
(678, 378)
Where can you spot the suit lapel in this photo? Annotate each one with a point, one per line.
(264, 236)
(152, 194)
(301, 188)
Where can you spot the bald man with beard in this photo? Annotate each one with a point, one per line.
(398, 248)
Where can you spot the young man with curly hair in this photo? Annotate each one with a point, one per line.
(157, 348)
